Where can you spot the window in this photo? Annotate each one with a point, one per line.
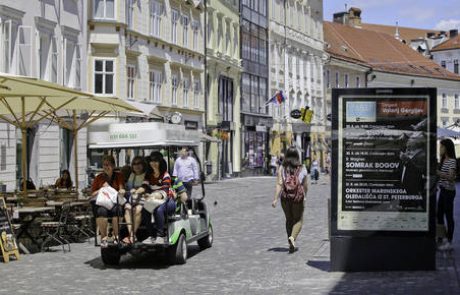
(457, 102)
(444, 101)
(3, 157)
(130, 78)
(358, 83)
(186, 89)
(337, 79)
(43, 52)
(7, 46)
(185, 24)
(195, 28)
(456, 66)
(129, 13)
(235, 41)
(228, 40)
(103, 76)
(444, 123)
(328, 79)
(174, 19)
(246, 92)
(345, 81)
(155, 86)
(174, 85)
(443, 63)
(70, 64)
(104, 9)
(196, 93)
(156, 10)
(24, 49)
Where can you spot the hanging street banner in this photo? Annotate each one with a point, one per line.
(383, 162)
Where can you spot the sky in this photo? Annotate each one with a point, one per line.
(423, 14)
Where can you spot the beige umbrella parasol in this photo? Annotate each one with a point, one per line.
(26, 101)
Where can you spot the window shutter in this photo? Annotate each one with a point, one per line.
(25, 50)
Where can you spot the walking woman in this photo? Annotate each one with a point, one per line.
(446, 183)
(291, 186)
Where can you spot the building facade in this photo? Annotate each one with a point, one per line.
(447, 54)
(150, 53)
(45, 40)
(296, 67)
(223, 72)
(255, 119)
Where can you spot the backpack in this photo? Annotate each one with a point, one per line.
(292, 187)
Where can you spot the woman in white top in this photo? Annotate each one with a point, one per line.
(446, 183)
(291, 185)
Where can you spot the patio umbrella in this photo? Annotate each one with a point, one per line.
(25, 101)
(444, 132)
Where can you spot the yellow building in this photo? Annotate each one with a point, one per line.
(223, 71)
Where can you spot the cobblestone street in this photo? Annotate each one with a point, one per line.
(249, 256)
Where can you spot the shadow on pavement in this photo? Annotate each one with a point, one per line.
(320, 264)
(142, 260)
(278, 249)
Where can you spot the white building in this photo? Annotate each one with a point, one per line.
(447, 54)
(149, 52)
(47, 40)
(296, 67)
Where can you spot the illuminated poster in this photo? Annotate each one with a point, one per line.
(383, 163)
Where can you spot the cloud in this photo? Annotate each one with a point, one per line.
(448, 24)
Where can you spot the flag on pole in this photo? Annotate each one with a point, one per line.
(278, 98)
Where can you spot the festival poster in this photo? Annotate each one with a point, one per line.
(383, 163)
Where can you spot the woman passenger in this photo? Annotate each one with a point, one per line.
(115, 179)
(135, 180)
(158, 179)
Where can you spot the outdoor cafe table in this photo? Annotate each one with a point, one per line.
(33, 212)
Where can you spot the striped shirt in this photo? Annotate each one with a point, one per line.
(447, 166)
(163, 182)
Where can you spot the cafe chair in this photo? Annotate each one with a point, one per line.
(54, 231)
(79, 225)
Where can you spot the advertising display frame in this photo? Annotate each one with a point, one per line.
(405, 240)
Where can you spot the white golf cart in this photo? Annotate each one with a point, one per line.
(191, 223)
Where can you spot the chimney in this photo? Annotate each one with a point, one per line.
(453, 33)
(351, 18)
(354, 17)
(430, 35)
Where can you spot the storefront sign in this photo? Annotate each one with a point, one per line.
(191, 125)
(296, 114)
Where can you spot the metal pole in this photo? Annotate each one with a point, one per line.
(75, 146)
(24, 147)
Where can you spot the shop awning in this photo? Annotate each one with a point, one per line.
(147, 109)
(209, 138)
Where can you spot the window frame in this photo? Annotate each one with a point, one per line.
(130, 81)
(155, 85)
(104, 74)
(105, 10)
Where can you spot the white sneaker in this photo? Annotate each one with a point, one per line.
(149, 241)
(160, 240)
(445, 247)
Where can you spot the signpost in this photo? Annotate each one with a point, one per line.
(382, 213)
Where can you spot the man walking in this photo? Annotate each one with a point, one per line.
(186, 169)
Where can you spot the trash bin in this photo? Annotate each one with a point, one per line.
(208, 167)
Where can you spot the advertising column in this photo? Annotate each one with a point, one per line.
(382, 203)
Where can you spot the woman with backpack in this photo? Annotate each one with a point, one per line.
(292, 186)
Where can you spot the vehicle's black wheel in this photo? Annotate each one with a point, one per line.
(178, 252)
(110, 256)
(206, 242)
